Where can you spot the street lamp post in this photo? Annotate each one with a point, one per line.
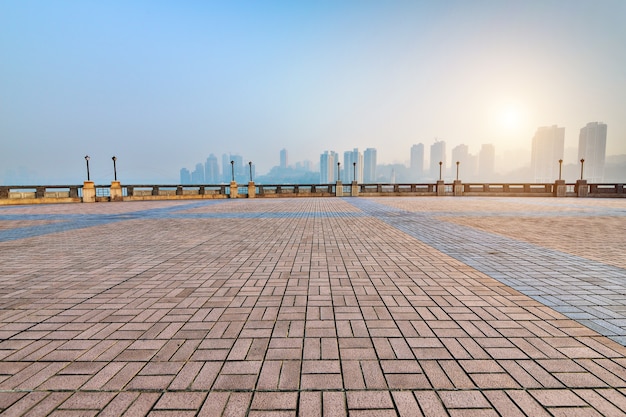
(87, 159)
(457, 170)
(560, 168)
(114, 168)
(232, 170)
(338, 172)
(250, 165)
(440, 163)
(354, 171)
(582, 164)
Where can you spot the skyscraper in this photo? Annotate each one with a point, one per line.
(369, 165)
(486, 162)
(197, 175)
(547, 149)
(461, 155)
(349, 159)
(437, 154)
(592, 148)
(211, 170)
(226, 168)
(328, 167)
(283, 159)
(240, 171)
(417, 161)
(185, 176)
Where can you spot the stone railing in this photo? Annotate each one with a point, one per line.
(89, 192)
(36, 194)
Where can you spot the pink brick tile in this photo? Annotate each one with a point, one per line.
(180, 401)
(369, 400)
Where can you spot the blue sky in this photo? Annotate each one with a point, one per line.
(162, 84)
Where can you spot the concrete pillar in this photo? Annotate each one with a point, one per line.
(458, 187)
(339, 189)
(581, 188)
(354, 190)
(441, 188)
(560, 190)
(234, 191)
(251, 189)
(116, 191)
(89, 192)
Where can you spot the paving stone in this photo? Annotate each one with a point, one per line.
(314, 306)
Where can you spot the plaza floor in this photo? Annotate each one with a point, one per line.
(426, 306)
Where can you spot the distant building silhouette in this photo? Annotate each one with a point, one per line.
(211, 170)
(226, 169)
(185, 176)
(547, 149)
(369, 165)
(486, 162)
(592, 148)
(461, 154)
(283, 159)
(197, 176)
(417, 161)
(328, 167)
(349, 158)
(437, 153)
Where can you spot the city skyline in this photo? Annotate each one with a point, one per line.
(157, 83)
(546, 160)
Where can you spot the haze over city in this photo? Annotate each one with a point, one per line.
(162, 85)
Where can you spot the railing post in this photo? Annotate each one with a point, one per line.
(441, 187)
(89, 192)
(560, 189)
(339, 189)
(234, 191)
(155, 190)
(458, 187)
(4, 192)
(73, 192)
(116, 191)
(251, 189)
(581, 188)
(130, 190)
(354, 189)
(40, 192)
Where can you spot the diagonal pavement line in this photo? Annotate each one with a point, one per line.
(590, 292)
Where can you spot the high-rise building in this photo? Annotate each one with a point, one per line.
(211, 170)
(417, 161)
(352, 165)
(240, 170)
(486, 162)
(592, 148)
(185, 176)
(328, 167)
(369, 166)
(197, 175)
(283, 159)
(226, 168)
(547, 149)
(460, 154)
(437, 154)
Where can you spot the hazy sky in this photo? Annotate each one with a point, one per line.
(162, 84)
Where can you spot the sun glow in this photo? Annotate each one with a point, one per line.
(510, 117)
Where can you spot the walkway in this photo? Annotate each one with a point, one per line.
(362, 307)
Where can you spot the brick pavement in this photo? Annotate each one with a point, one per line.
(307, 307)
